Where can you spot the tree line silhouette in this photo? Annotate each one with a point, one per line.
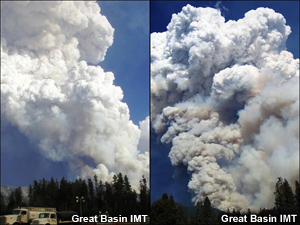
(118, 198)
(115, 198)
(166, 211)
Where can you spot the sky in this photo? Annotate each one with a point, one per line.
(128, 59)
(174, 180)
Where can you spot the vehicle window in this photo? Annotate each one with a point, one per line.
(16, 212)
(53, 216)
(44, 215)
(23, 212)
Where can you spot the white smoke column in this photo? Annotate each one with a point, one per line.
(145, 134)
(69, 109)
(225, 94)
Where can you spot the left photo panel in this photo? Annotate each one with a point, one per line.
(74, 111)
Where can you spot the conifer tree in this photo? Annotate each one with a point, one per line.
(171, 210)
(118, 191)
(96, 184)
(289, 198)
(100, 196)
(198, 218)
(11, 202)
(43, 192)
(91, 198)
(159, 211)
(2, 205)
(36, 194)
(18, 197)
(64, 195)
(30, 197)
(209, 213)
(127, 197)
(297, 194)
(284, 198)
(279, 196)
(52, 193)
(181, 218)
(109, 199)
(205, 214)
(132, 204)
(166, 211)
(144, 197)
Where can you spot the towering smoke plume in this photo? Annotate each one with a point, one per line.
(69, 109)
(225, 94)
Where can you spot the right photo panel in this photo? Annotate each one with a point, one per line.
(224, 112)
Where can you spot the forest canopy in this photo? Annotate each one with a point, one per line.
(115, 198)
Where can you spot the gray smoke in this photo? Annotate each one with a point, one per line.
(69, 109)
(225, 94)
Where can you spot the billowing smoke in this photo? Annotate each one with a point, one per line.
(226, 95)
(50, 91)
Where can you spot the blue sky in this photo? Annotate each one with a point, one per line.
(127, 58)
(162, 172)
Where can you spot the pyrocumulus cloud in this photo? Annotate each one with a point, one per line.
(225, 94)
(52, 92)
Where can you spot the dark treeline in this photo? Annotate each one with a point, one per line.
(15, 199)
(116, 198)
(166, 211)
